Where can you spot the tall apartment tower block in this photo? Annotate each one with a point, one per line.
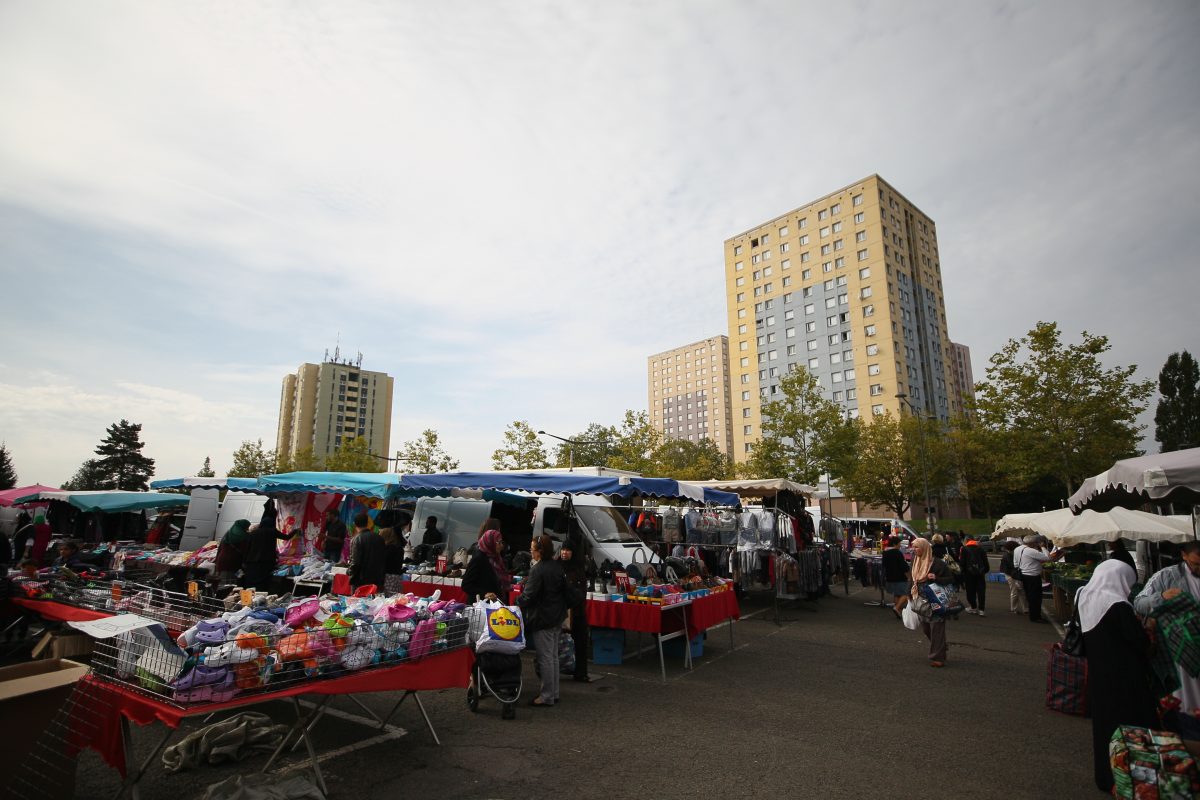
(965, 375)
(848, 287)
(688, 392)
(325, 405)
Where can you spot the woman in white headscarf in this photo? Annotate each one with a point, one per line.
(1118, 655)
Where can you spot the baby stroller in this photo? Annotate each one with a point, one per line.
(497, 673)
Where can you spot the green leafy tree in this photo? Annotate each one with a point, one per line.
(592, 448)
(250, 460)
(893, 460)
(424, 455)
(8, 473)
(121, 458)
(635, 443)
(206, 471)
(89, 477)
(690, 461)
(355, 456)
(984, 460)
(796, 431)
(1177, 417)
(303, 460)
(522, 449)
(1069, 416)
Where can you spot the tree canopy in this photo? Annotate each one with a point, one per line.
(121, 460)
(592, 447)
(1177, 417)
(797, 431)
(206, 471)
(425, 454)
(636, 441)
(1069, 415)
(521, 449)
(89, 477)
(250, 460)
(8, 473)
(690, 461)
(303, 460)
(354, 455)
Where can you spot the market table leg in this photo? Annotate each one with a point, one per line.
(421, 706)
(312, 754)
(301, 726)
(134, 774)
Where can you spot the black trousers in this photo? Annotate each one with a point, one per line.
(976, 589)
(1033, 595)
(579, 632)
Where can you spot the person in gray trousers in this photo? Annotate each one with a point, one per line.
(543, 605)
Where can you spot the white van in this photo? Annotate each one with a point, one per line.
(607, 531)
(208, 518)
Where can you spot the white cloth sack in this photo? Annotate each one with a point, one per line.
(910, 618)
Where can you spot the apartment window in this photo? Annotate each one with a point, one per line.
(787, 281)
(831, 321)
(790, 333)
(876, 389)
(836, 208)
(768, 286)
(830, 302)
(824, 231)
(739, 266)
(743, 345)
(741, 328)
(741, 313)
(837, 244)
(805, 274)
(784, 247)
(783, 231)
(737, 249)
(835, 358)
(837, 227)
(865, 291)
(837, 396)
(869, 330)
(869, 310)
(758, 291)
(789, 314)
(808, 290)
(877, 410)
(834, 338)
(828, 285)
(766, 254)
(802, 222)
(754, 258)
(823, 214)
(740, 281)
(826, 249)
(813, 363)
(827, 266)
(756, 275)
(804, 239)
(851, 394)
(805, 257)
(746, 429)
(810, 326)
(745, 378)
(862, 254)
(837, 377)
(873, 369)
(843, 300)
(770, 320)
(860, 236)
(809, 308)
(745, 396)
(741, 297)
(859, 218)
(872, 349)
(864, 273)
(839, 262)
(812, 344)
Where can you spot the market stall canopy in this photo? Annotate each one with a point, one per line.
(1045, 523)
(443, 484)
(8, 497)
(110, 502)
(1163, 477)
(358, 484)
(761, 488)
(1091, 527)
(1065, 529)
(232, 484)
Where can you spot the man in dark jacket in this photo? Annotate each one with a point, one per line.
(261, 554)
(368, 555)
(575, 570)
(335, 535)
(975, 567)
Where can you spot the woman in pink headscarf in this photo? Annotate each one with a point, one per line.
(925, 570)
(486, 577)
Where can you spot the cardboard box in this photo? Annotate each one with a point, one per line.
(62, 645)
(31, 695)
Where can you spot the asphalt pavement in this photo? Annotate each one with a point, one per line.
(832, 699)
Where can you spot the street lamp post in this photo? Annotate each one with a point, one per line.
(924, 459)
(571, 446)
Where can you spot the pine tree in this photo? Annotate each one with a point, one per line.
(90, 476)
(206, 471)
(121, 458)
(8, 473)
(1177, 418)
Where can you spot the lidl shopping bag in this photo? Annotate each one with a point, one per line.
(499, 629)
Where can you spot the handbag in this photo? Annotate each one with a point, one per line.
(920, 607)
(1072, 643)
(1066, 682)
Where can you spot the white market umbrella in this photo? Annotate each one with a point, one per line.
(1045, 523)
(1092, 527)
(1160, 478)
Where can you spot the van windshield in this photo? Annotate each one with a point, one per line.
(605, 524)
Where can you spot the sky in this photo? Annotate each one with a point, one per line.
(508, 206)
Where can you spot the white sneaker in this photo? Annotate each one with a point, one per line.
(980, 612)
(972, 611)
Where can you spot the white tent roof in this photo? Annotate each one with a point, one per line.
(1065, 529)
(1158, 477)
(768, 487)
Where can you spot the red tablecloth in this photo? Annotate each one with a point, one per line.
(422, 589)
(702, 614)
(58, 612)
(100, 705)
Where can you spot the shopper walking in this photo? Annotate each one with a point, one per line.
(926, 570)
(230, 552)
(1028, 559)
(896, 578)
(1118, 656)
(975, 567)
(575, 568)
(335, 536)
(368, 555)
(1166, 585)
(1016, 591)
(486, 577)
(544, 607)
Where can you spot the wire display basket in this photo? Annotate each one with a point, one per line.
(263, 650)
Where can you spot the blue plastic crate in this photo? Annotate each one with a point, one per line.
(674, 647)
(997, 577)
(608, 645)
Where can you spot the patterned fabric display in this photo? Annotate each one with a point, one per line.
(1066, 682)
(1153, 765)
(1179, 621)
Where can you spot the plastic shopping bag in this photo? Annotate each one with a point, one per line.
(502, 628)
(910, 618)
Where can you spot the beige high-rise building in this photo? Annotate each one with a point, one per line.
(965, 376)
(688, 392)
(324, 405)
(848, 287)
